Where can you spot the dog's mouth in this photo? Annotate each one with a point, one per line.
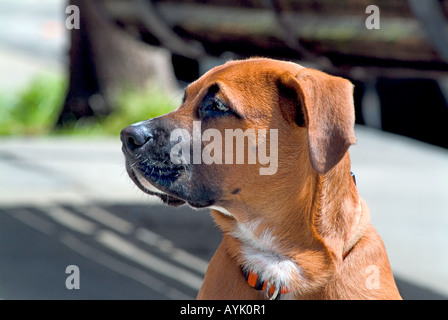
(162, 174)
(158, 179)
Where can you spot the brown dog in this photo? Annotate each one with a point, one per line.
(298, 229)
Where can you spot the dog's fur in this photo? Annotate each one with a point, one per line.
(304, 227)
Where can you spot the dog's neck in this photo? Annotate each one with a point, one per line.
(340, 223)
(335, 213)
(291, 247)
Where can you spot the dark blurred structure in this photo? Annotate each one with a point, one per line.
(104, 61)
(399, 70)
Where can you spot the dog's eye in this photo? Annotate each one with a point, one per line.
(213, 108)
(218, 106)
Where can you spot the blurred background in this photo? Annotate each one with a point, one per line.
(74, 73)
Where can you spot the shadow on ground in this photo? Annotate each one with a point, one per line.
(33, 240)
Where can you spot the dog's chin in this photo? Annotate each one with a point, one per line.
(148, 188)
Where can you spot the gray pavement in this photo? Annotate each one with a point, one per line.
(74, 195)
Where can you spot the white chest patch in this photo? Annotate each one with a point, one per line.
(262, 256)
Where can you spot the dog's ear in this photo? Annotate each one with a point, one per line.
(327, 108)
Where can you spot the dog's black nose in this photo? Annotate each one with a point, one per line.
(135, 136)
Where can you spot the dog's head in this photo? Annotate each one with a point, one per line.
(247, 132)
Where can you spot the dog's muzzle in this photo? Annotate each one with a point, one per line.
(147, 151)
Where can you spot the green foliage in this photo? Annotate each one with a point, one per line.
(34, 110)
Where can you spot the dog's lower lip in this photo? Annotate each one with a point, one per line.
(162, 175)
(155, 172)
(146, 187)
(143, 182)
